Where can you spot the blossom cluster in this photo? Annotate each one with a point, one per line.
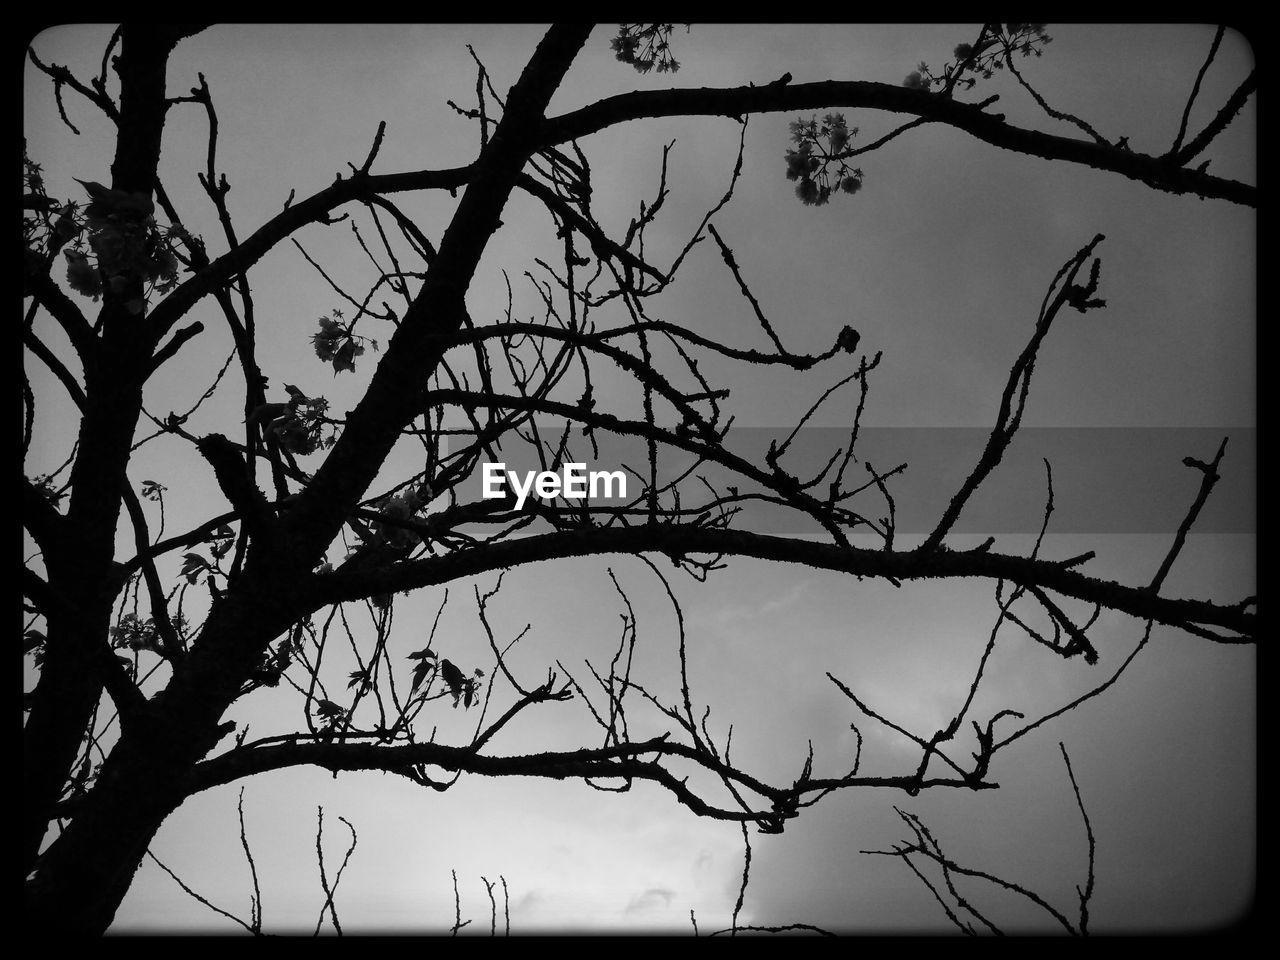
(301, 426)
(996, 42)
(115, 240)
(645, 46)
(818, 159)
(336, 344)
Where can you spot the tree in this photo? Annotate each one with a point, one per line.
(148, 654)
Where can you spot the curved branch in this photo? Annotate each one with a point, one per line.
(37, 590)
(56, 366)
(674, 540)
(797, 361)
(192, 537)
(1158, 172)
(172, 644)
(41, 518)
(394, 393)
(60, 75)
(166, 352)
(37, 283)
(1013, 398)
(708, 449)
(315, 209)
(1195, 88)
(595, 236)
(237, 483)
(617, 762)
(1219, 123)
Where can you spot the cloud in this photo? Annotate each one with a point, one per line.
(735, 613)
(652, 899)
(527, 903)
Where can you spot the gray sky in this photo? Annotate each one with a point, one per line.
(940, 262)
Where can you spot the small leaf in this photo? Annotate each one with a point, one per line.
(328, 710)
(345, 357)
(193, 563)
(421, 672)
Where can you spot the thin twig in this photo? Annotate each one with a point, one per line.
(1087, 892)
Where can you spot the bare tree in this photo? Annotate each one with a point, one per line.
(135, 658)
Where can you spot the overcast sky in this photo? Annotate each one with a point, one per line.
(941, 262)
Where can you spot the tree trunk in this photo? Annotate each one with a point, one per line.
(84, 875)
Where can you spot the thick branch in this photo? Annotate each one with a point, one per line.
(419, 343)
(620, 762)
(36, 590)
(41, 518)
(1195, 89)
(680, 540)
(56, 366)
(37, 283)
(155, 590)
(236, 480)
(1234, 104)
(992, 128)
(166, 352)
(192, 537)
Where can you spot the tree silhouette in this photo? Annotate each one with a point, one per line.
(141, 646)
